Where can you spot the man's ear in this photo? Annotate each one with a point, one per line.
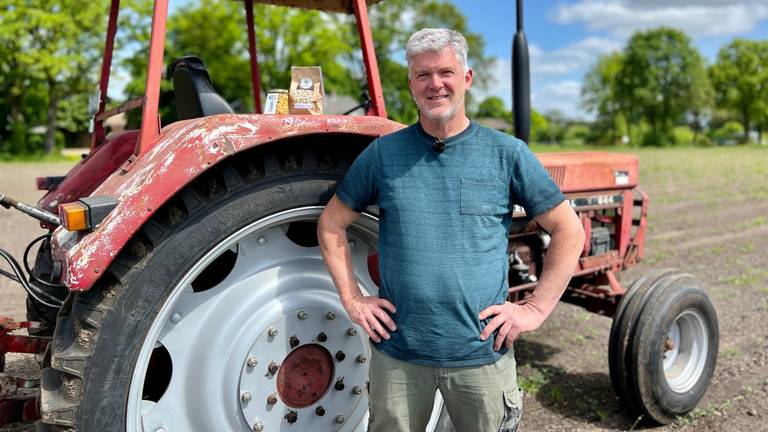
(468, 77)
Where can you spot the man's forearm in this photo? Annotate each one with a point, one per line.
(338, 259)
(559, 264)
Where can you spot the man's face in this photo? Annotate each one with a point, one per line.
(438, 83)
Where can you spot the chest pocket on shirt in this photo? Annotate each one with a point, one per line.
(483, 197)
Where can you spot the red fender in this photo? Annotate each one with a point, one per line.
(185, 150)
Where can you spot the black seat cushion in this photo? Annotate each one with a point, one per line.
(195, 96)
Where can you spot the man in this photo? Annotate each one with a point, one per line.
(445, 188)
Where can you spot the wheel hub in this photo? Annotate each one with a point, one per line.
(317, 372)
(305, 376)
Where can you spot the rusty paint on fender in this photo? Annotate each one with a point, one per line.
(185, 150)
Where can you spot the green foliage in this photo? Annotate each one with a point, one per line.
(493, 106)
(740, 80)
(49, 52)
(729, 133)
(657, 80)
(600, 96)
(539, 127)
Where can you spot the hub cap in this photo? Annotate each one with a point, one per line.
(268, 347)
(685, 351)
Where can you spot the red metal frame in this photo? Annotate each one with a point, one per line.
(98, 131)
(150, 120)
(377, 107)
(255, 75)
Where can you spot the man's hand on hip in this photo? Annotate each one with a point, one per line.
(511, 319)
(369, 313)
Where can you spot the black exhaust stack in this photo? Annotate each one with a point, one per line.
(521, 80)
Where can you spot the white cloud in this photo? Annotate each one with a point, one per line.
(697, 18)
(563, 96)
(575, 57)
(500, 84)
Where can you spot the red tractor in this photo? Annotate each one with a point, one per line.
(180, 285)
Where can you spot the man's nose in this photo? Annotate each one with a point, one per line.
(436, 82)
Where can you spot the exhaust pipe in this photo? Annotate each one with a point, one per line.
(521, 85)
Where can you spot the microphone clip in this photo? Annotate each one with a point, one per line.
(438, 146)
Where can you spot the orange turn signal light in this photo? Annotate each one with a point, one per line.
(74, 216)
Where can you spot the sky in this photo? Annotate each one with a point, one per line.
(567, 37)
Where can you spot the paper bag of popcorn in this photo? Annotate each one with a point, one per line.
(306, 92)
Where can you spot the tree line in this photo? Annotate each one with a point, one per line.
(51, 52)
(660, 84)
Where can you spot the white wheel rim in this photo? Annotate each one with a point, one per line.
(211, 335)
(685, 351)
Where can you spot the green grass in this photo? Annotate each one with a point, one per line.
(38, 158)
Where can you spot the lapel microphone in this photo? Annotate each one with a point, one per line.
(438, 146)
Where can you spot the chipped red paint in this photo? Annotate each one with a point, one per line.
(186, 149)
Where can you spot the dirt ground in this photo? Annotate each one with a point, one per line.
(708, 216)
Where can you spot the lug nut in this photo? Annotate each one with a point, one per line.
(272, 368)
(271, 399)
(320, 411)
(261, 241)
(351, 331)
(340, 356)
(292, 416)
(301, 315)
(330, 315)
(294, 342)
(251, 362)
(246, 397)
(339, 386)
(361, 358)
(272, 332)
(339, 419)
(322, 337)
(258, 427)
(357, 390)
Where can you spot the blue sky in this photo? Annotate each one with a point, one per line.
(566, 37)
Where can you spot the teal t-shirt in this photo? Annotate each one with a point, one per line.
(444, 221)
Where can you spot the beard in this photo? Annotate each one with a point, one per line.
(440, 116)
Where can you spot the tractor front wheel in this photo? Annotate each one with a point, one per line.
(663, 346)
(220, 315)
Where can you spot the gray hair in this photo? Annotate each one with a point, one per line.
(432, 40)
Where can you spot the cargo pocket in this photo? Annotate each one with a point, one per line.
(513, 410)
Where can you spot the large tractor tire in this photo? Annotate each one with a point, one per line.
(220, 315)
(663, 345)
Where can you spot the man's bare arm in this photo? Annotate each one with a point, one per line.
(559, 263)
(368, 312)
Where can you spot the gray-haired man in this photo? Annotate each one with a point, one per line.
(445, 187)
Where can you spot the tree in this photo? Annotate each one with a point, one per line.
(600, 96)
(657, 79)
(51, 44)
(700, 103)
(54, 46)
(216, 31)
(740, 79)
(493, 106)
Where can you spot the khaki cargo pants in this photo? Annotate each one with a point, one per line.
(478, 398)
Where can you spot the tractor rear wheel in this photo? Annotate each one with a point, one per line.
(220, 314)
(665, 348)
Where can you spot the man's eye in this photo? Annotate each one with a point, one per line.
(447, 73)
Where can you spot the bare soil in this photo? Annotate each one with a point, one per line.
(708, 216)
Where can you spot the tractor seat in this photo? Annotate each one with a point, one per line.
(195, 96)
